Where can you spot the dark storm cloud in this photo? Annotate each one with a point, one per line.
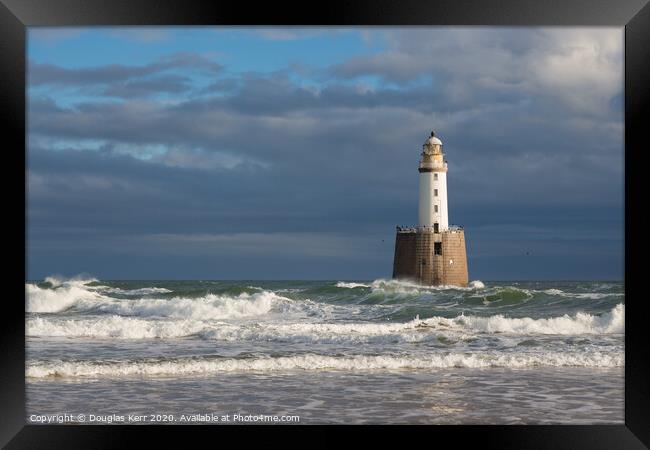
(339, 130)
(254, 158)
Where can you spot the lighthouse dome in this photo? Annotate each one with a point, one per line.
(433, 140)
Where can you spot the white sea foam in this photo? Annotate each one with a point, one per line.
(589, 295)
(57, 280)
(323, 333)
(74, 292)
(410, 287)
(314, 362)
(140, 291)
(612, 322)
(416, 330)
(64, 294)
(553, 291)
(342, 284)
(211, 306)
(394, 286)
(113, 327)
(137, 328)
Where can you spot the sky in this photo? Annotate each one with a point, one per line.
(292, 153)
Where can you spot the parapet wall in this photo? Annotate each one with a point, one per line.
(416, 258)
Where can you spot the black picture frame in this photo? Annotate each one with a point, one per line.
(634, 15)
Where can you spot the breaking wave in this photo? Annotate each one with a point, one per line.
(404, 286)
(407, 287)
(211, 306)
(63, 295)
(113, 327)
(612, 322)
(315, 362)
(589, 295)
(140, 291)
(342, 284)
(416, 330)
(136, 328)
(76, 293)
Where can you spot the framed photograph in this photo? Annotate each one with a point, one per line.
(355, 214)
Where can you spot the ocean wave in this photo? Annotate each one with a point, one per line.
(66, 294)
(315, 362)
(113, 327)
(407, 287)
(210, 306)
(57, 280)
(140, 291)
(506, 294)
(343, 284)
(588, 295)
(135, 328)
(612, 322)
(120, 327)
(417, 330)
(402, 288)
(62, 295)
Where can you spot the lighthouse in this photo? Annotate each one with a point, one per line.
(433, 252)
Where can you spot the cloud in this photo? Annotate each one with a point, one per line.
(124, 81)
(582, 67)
(273, 121)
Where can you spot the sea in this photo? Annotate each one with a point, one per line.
(324, 352)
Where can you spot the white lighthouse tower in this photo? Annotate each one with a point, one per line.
(432, 207)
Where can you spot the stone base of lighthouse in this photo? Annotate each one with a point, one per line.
(431, 258)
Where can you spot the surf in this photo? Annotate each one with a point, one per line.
(315, 362)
